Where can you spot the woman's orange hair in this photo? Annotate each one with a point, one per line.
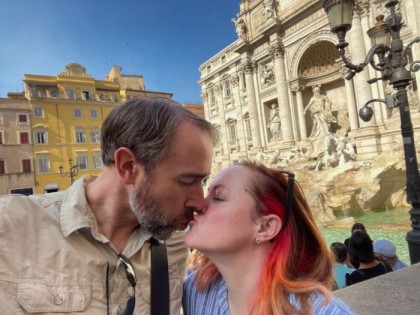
(299, 262)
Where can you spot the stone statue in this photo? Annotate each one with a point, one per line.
(260, 156)
(267, 75)
(329, 158)
(274, 158)
(269, 8)
(274, 122)
(320, 107)
(345, 151)
(240, 27)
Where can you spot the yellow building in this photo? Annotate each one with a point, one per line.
(67, 113)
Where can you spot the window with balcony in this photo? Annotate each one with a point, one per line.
(1, 119)
(24, 137)
(38, 112)
(54, 93)
(26, 166)
(231, 129)
(212, 96)
(1, 137)
(40, 137)
(70, 95)
(86, 95)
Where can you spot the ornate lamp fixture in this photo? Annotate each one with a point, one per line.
(388, 55)
(72, 173)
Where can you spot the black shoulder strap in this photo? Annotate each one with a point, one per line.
(159, 291)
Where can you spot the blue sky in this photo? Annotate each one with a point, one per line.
(164, 40)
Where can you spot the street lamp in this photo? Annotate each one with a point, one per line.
(391, 61)
(73, 171)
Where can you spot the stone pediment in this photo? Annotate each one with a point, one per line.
(75, 70)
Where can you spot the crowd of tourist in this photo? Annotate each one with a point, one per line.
(360, 258)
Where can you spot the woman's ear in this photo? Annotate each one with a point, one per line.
(267, 227)
(127, 166)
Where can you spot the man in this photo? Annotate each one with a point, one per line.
(386, 251)
(60, 252)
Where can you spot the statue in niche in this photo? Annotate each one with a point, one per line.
(345, 151)
(274, 123)
(267, 75)
(320, 108)
(268, 8)
(239, 26)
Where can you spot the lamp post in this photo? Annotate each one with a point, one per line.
(73, 171)
(391, 62)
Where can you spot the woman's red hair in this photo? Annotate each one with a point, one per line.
(299, 262)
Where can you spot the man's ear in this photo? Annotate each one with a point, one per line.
(127, 166)
(267, 227)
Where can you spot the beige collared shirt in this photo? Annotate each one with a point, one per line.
(54, 260)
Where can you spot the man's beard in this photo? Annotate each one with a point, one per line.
(147, 211)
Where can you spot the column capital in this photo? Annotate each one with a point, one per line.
(249, 66)
(362, 7)
(276, 50)
(296, 86)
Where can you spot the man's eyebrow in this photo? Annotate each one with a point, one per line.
(193, 175)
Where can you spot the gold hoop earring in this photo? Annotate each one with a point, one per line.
(257, 240)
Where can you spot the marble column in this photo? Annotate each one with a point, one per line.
(254, 120)
(301, 117)
(351, 101)
(358, 55)
(277, 53)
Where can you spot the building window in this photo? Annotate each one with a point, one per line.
(77, 113)
(38, 111)
(231, 128)
(93, 113)
(70, 94)
(43, 165)
(26, 166)
(212, 96)
(40, 137)
(22, 118)
(95, 136)
(97, 160)
(2, 167)
(86, 95)
(80, 136)
(1, 137)
(54, 93)
(24, 137)
(227, 88)
(34, 91)
(82, 162)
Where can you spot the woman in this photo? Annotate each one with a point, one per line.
(266, 255)
(339, 251)
(361, 249)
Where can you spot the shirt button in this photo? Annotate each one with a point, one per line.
(58, 300)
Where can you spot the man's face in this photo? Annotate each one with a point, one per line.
(164, 200)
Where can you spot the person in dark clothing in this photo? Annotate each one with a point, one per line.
(361, 249)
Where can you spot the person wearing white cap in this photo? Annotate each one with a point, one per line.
(386, 251)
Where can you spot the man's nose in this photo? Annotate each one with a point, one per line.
(196, 197)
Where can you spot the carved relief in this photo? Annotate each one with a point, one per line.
(234, 79)
(218, 88)
(267, 75)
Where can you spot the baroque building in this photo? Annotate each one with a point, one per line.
(67, 111)
(279, 91)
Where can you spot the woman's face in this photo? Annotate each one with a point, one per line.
(225, 223)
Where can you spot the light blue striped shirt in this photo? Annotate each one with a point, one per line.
(213, 300)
